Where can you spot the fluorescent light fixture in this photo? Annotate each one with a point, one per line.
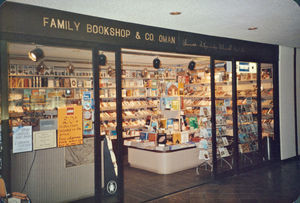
(175, 13)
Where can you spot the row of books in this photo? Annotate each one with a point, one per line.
(43, 69)
(38, 81)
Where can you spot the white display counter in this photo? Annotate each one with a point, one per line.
(164, 162)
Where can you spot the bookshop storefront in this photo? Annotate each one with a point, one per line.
(92, 107)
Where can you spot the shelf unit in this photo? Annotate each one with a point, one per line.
(31, 95)
(267, 101)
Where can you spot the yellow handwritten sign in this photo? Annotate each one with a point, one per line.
(69, 126)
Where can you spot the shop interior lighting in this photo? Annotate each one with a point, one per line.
(102, 59)
(192, 65)
(252, 28)
(156, 63)
(36, 54)
(175, 13)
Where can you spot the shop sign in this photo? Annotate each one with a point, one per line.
(44, 22)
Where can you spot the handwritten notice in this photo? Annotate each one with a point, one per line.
(22, 139)
(44, 139)
(69, 126)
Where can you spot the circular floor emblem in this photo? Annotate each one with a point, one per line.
(111, 187)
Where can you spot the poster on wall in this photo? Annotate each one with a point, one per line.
(44, 139)
(80, 154)
(22, 139)
(69, 126)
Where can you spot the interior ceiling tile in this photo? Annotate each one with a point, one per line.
(278, 21)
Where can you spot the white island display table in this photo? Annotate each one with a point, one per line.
(164, 161)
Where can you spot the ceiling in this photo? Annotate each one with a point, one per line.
(278, 21)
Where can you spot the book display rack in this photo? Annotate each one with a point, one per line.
(223, 105)
(247, 112)
(36, 91)
(267, 109)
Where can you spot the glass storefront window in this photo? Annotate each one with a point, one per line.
(224, 124)
(51, 119)
(247, 113)
(267, 110)
(166, 116)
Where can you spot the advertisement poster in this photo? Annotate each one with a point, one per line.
(44, 139)
(87, 101)
(69, 126)
(22, 139)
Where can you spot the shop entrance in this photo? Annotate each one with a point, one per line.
(108, 126)
(166, 109)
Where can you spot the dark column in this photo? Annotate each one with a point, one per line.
(119, 126)
(235, 119)
(97, 139)
(213, 116)
(6, 140)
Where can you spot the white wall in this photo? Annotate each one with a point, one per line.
(298, 95)
(50, 181)
(286, 102)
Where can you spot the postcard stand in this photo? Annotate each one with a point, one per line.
(206, 164)
(224, 160)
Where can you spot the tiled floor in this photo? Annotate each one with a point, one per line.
(279, 182)
(140, 185)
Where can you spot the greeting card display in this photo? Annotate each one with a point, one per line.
(223, 152)
(203, 155)
(205, 111)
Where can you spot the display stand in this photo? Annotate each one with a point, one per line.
(163, 162)
(206, 164)
(224, 160)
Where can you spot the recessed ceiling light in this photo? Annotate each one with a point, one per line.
(175, 13)
(252, 28)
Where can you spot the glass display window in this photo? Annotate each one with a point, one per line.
(267, 110)
(50, 99)
(247, 113)
(224, 119)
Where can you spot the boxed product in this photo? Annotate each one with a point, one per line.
(144, 136)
